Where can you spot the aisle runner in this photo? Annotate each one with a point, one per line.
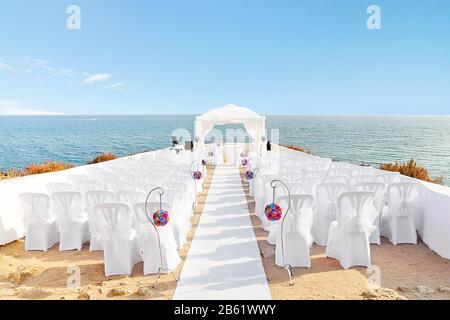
(224, 261)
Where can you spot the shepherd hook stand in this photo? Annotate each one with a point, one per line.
(249, 163)
(288, 267)
(161, 268)
(195, 181)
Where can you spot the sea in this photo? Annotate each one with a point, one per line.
(357, 139)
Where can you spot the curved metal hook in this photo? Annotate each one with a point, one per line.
(273, 184)
(192, 163)
(195, 182)
(255, 172)
(161, 192)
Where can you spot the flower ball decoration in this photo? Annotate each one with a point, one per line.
(273, 212)
(160, 217)
(244, 162)
(197, 175)
(249, 175)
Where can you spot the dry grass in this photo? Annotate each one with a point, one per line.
(411, 169)
(106, 156)
(50, 166)
(35, 168)
(297, 148)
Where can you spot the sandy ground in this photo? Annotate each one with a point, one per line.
(404, 272)
(44, 275)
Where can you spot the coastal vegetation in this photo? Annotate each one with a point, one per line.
(36, 168)
(102, 157)
(411, 169)
(297, 148)
(50, 166)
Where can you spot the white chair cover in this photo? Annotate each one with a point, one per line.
(358, 179)
(73, 179)
(118, 239)
(378, 188)
(72, 220)
(311, 184)
(296, 238)
(94, 198)
(148, 241)
(388, 177)
(88, 185)
(41, 228)
(336, 179)
(403, 213)
(346, 172)
(117, 185)
(326, 210)
(348, 240)
(58, 187)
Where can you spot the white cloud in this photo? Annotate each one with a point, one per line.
(39, 66)
(116, 86)
(6, 67)
(20, 108)
(31, 65)
(98, 77)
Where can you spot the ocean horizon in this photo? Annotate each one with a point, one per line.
(371, 139)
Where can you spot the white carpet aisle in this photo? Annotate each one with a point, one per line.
(223, 262)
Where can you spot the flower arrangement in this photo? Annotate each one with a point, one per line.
(249, 175)
(273, 212)
(160, 218)
(197, 175)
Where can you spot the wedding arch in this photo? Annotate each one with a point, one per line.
(254, 124)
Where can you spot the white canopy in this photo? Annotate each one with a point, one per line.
(231, 114)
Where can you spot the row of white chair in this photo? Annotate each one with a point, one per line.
(327, 199)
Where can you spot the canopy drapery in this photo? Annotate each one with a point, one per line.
(231, 114)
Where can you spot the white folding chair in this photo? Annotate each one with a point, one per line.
(403, 213)
(326, 210)
(294, 239)
(88, 185)
(362, 170)
(321, 174)
(120, 248)
(339, 165)
(41, 227)
(348, 240)
(73, 179)
(117, 185)
(94, 198)
(388, 178)
(311, 184)
(72, 220)
(58, 187)
(358, 179)
(346, 172)
(154, 260)
(336, 179)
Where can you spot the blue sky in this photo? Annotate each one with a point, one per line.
(276, 57)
